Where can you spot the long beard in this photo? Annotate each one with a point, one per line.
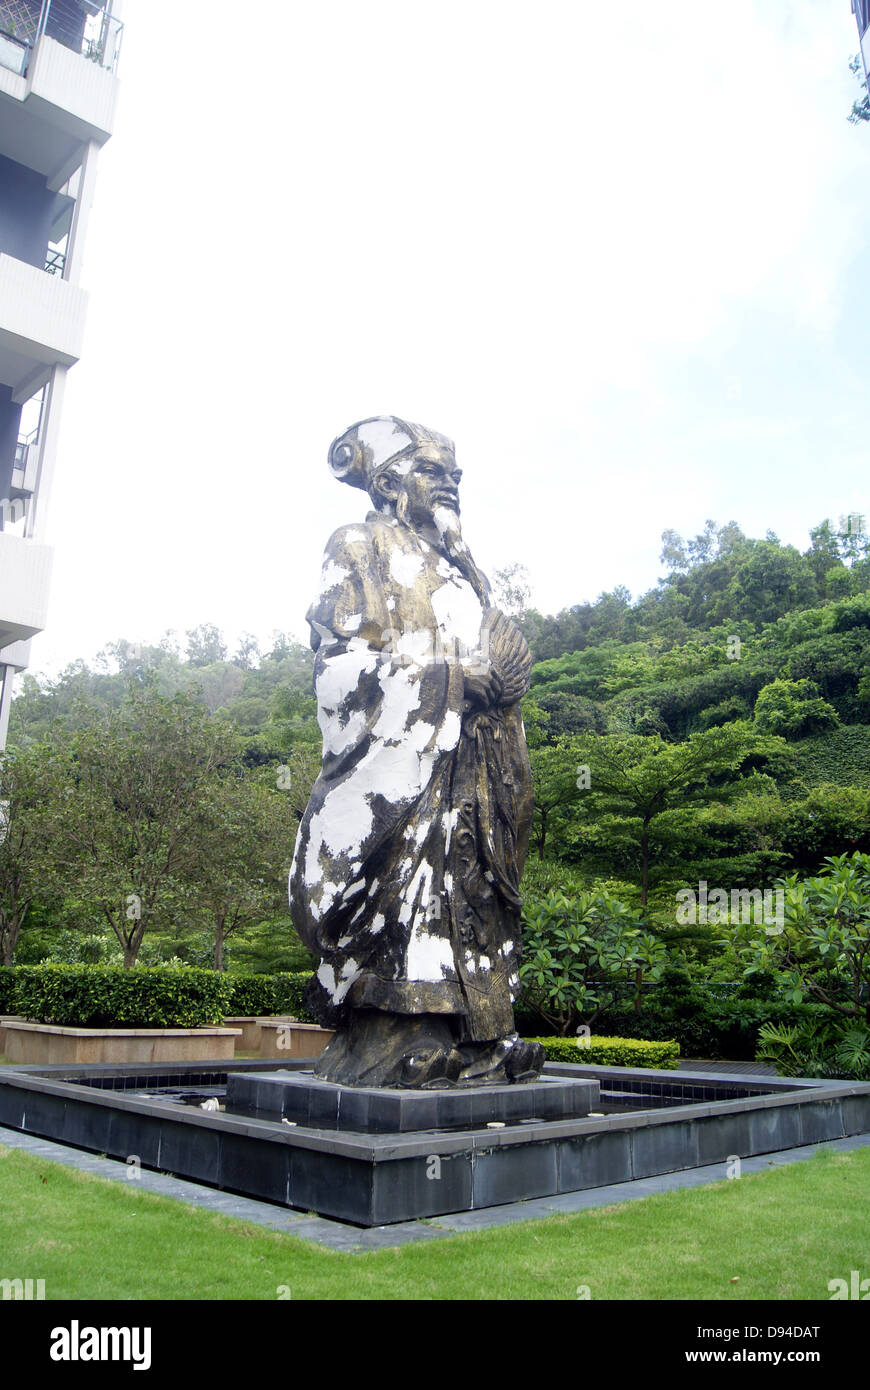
(449, 529)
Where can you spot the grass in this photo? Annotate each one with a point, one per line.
(781, 1235)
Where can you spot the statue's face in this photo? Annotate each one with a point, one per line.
(431, 482)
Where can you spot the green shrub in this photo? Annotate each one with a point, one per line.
(92, 948)
(153, 997)
(269, 994)
(707, 1025)
(793, 709)
(834, 1050)
(839, 756)
(92, 996)
(852, 612)
(7, 988)
(822, 948)
(612, 1052)
(575, 949)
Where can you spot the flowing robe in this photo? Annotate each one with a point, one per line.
(406, 870)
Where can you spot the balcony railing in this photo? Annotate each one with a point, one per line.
(24, 469)
(26, 461)
(14, 53)
(54, 261)
(87, 28)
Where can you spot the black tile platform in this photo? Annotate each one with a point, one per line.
(301, 1100)
(375, 1179)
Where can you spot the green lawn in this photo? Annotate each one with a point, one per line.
(781, 1234)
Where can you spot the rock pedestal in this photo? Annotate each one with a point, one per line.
(300, 1099)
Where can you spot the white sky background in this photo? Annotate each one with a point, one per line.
(618, 252)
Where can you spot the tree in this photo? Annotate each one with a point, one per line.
(512, 589)
(673, 554)
(824, 555)
(821, 950)
(861, 106)
(638, 778)
(769, 580)
(536, 722)
(554, 777)
(827, 821)
(711, 543)
(836, 662)
(248, 652)
(550, 637)
(134, 836)
(853, 537)
(702, 548)
(609, 614)
(33, 783)
(576, 948)
(205, 645)
(247, 845)
(567, 714)
(793, 709)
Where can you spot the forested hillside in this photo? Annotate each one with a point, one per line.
(756, 640)
(267, 697)
(716, 729)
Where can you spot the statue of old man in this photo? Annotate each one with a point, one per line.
(405, 877)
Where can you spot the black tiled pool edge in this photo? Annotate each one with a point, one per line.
(374, 1180)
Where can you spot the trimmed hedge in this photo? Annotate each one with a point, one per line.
(612, 1052)
(270, 994)
(108, 996)
(91, 996)
(719, 1028)
(7, 988)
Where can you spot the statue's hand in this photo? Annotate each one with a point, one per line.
(483, 685)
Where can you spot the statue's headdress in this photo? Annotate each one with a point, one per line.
(363, 451)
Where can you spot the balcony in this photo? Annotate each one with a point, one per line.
(42, 321)
(25, 577)
(87, 29)
(861, 11)
(57, 82)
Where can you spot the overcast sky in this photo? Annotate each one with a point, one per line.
(618, 252)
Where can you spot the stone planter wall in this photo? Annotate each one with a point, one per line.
(251, 1028)
(282, 1039)
(38, 1043)
(4, 1019)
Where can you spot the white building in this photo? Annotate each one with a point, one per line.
(58, 89)
(861, 11)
